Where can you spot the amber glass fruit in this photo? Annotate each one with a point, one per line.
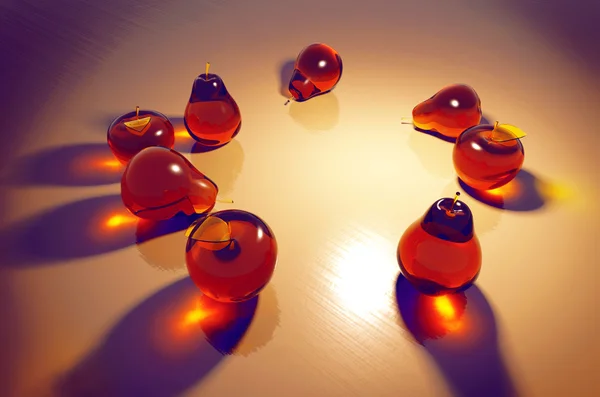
(132, 132)
(212, 117)
(450, 111)
(317, 71)
(487, 157)
(440, 252)
(158, 183)
(231, 255)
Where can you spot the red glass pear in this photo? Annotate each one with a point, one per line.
(212, 117)
(231, 255)
(132, 132)
(440, 252)
(449, 112)
(158, 183)
(317, 71)
(489, 156)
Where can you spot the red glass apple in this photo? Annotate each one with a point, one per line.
(212, 117)
(318, 69)
(440, 253)
(159, 183)
(449, 112)
(231, 255)
(132, 132)
(489, 156)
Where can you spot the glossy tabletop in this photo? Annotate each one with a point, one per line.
(90, 308)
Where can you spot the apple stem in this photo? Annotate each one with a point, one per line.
(207, 67)
(226, 201)
(137, 112)
(406, 120)
(454, 202)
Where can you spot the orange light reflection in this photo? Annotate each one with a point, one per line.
(196, 315)
(118, 220)
(182, 134)
(96, 163)
(447, 312)
(508, 191)
(110, 164)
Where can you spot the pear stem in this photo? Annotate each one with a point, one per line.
(406, 120)
(137, 112)
(288, 101)
(454, 202)
(207, 67)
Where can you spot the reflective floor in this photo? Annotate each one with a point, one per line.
(95, 304)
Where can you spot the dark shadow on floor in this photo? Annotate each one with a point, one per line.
(87, 164)
(285, 69)
(50, 47)
(161, 348)
(459, 332)
(162, 244)
(486, 119)
(521, 194)
(11, 335)
(80, 229)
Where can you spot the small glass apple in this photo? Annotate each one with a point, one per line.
(132, 132)
(489, 156)
(231, 255)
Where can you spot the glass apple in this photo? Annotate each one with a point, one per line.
(489, 156)
(132, 132)
(231, 255)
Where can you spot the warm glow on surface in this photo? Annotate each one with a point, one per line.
(511, 189)
(182, 134)
(447, 313)
(111, 164)
(444, 307)
(117, 220)
(556, 191)
(94, 163)
(365, 267)
(195, 316)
